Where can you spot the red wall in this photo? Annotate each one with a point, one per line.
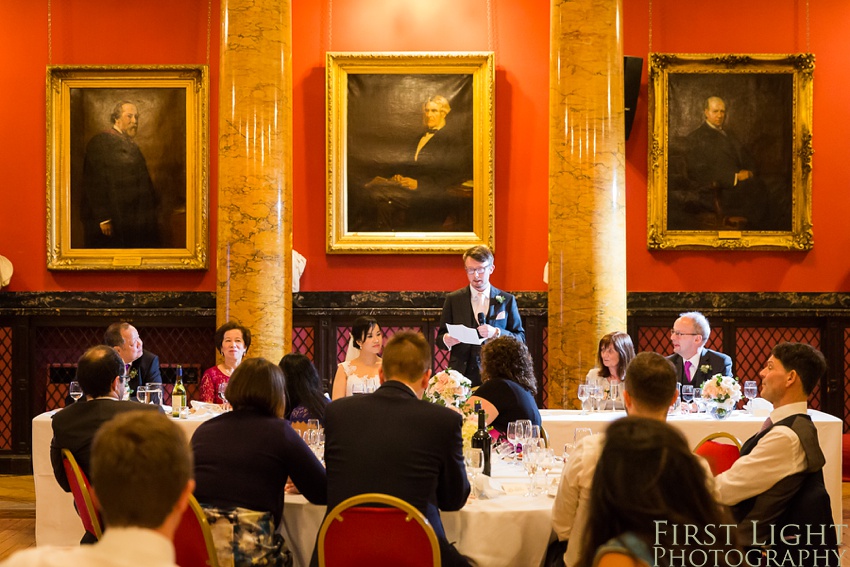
(164, 31)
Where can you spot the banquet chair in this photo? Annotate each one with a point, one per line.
(544, 436)
(720, 449)
(81, 489)
(193, 542)
(393, 533)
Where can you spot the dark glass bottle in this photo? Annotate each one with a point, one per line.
(481, 440)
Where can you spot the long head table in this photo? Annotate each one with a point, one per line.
(561, 425)
(509, 530)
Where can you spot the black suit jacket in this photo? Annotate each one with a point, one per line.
(392, 442)
(74, 428)
(457, 310)
(717, 362)
(147, 370)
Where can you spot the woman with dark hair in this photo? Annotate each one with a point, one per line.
(304, 395)
(614, 354)
(647, 487)
(508, 384)
(243, 457)
(362, 371)
(232, 341)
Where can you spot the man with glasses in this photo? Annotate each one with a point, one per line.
(479, 305)
(693, 362)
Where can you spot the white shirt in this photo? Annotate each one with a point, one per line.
(119, 547)
(777, 455)
(481, 305)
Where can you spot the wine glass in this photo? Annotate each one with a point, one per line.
(751, 391)
(75, 390)
(597, 393)
(474, 464)
(222, 388)
(687, 397)
(535, 438)
(580, 433)
(583, 394)
(523, 434)
(313, 424)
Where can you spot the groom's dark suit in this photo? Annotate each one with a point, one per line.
(457, 310)
(392, 442)
(717, 362)
(147, 370)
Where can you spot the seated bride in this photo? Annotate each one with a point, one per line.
(359, 373)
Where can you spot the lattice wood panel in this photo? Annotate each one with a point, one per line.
(5, 388)
(754, 344)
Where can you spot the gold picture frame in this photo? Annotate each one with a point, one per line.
(730, 152)
(127, 167)
(393, 186)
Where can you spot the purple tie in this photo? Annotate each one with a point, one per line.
(766, 425)
(688, 370)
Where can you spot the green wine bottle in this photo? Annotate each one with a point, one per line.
(178, 396)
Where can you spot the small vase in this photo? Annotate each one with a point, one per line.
(718, 412)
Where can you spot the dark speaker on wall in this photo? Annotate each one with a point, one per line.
(632, 68)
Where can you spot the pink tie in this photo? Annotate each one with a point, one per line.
(766, 425)
(688, 370)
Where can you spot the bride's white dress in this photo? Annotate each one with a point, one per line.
(370, 383)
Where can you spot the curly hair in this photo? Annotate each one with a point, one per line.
(506, 358)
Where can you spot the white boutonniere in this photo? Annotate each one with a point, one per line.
(705, 368)
(500, 299)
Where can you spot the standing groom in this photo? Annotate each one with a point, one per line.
(693, 362)
(479, 305)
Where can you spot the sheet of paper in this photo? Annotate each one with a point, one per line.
(464, 334)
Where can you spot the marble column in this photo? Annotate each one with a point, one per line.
(255, 173)
(587, 215)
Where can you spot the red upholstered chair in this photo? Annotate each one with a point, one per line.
(720, 449)
(193, 542)
(395, 533)
(81, 489)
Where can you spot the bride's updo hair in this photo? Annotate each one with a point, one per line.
(361, 328)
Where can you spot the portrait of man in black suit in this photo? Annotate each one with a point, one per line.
(410, 153)
(730, 153)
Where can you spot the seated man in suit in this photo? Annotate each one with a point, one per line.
(776, 486)
(480, 305)
(142, 366)
(141, 526)
(393, 442)
(99, 374)
(693, 362)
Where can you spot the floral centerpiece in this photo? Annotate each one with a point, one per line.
(451, 389)
(722, 393)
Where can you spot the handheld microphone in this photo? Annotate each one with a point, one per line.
(481, 318)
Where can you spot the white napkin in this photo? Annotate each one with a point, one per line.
(486, 488)
(204, 408)
(760, 406)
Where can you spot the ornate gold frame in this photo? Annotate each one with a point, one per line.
(142, 83)
(713, 70)
(340, 67)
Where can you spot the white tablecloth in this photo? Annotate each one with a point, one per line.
(508, 531)
(56, 521)
(561, 425)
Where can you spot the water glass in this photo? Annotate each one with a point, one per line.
(474, 460)
(596, 394)
(155, 393)
(75, 390)
(687, 397)
(143, 394)
(580, 433)
(699, 400)
(222, 388)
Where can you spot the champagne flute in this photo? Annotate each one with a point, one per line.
(613, 393)
(523, 434)
(687, 397)
(751, 391)
(583, 394)
(531, 462)
(222, 388)
(75, 390)
(474, 465)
